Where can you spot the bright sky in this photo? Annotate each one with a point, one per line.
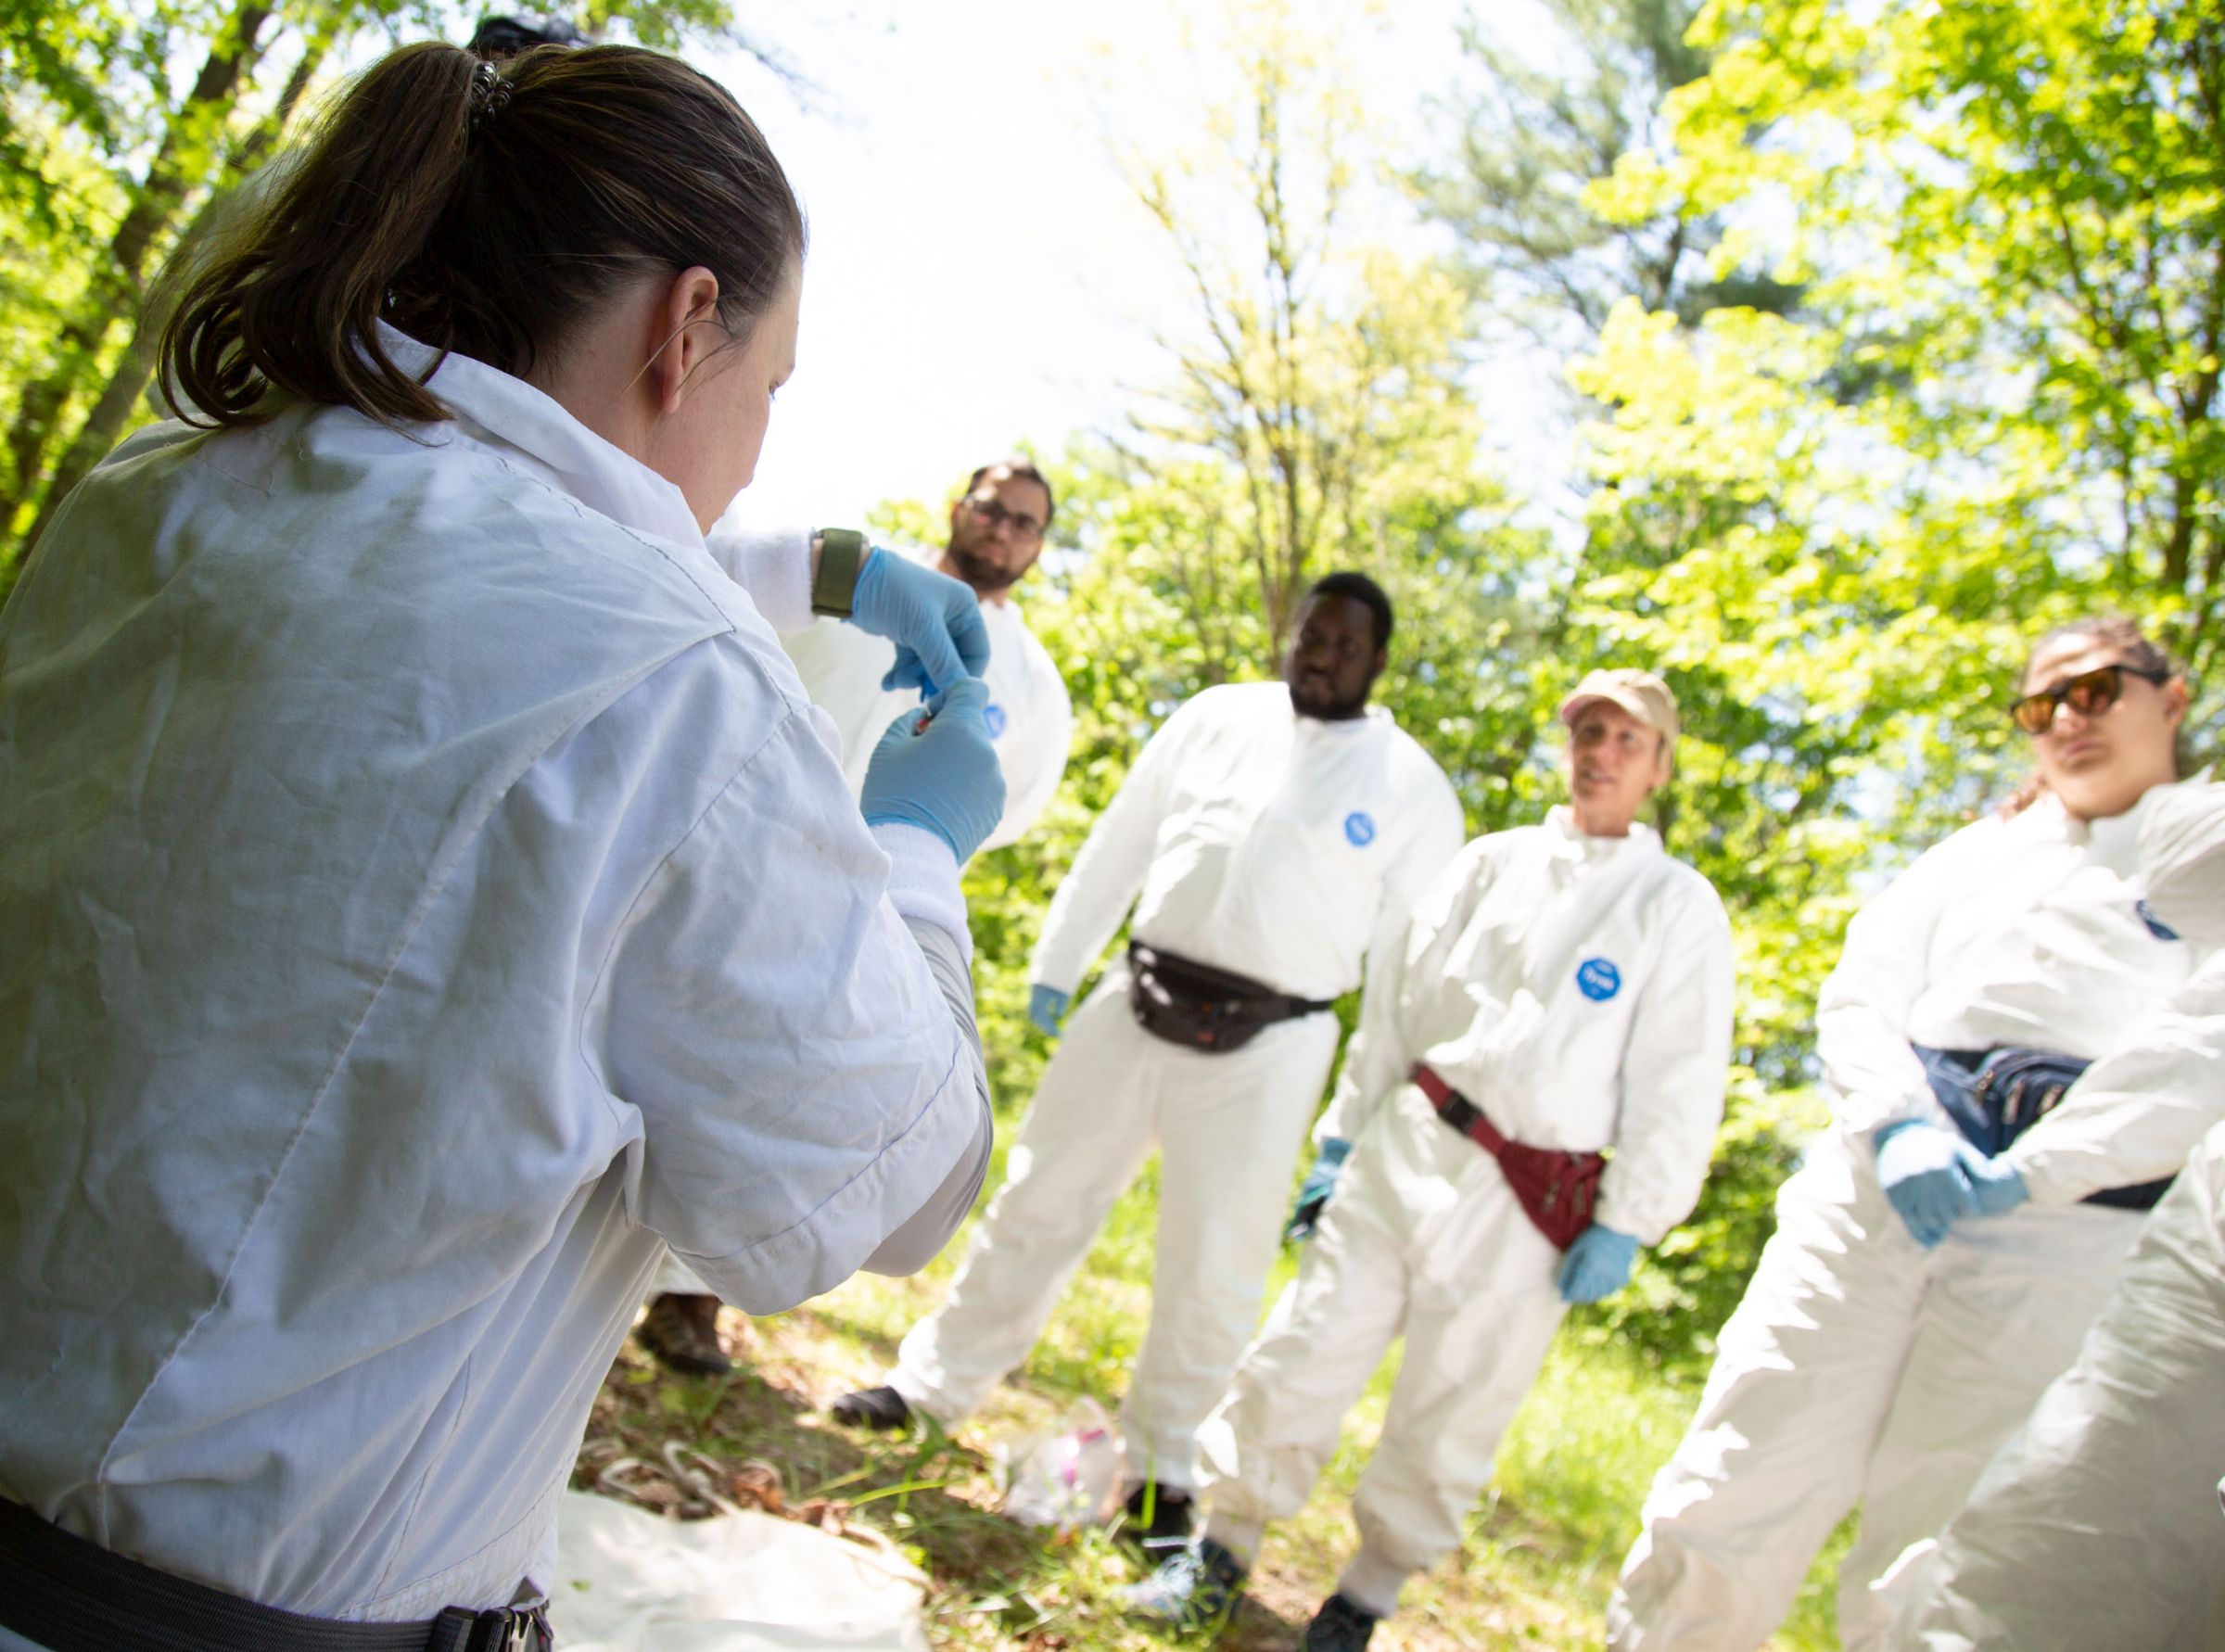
(979, 273)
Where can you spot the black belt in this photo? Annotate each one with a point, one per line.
(71, 1595)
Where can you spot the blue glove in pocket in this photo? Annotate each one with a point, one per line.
(1313, 1193)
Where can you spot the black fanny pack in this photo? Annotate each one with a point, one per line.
(1994, 1095)
(1201, 1008)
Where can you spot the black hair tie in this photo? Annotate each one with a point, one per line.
(490, 95)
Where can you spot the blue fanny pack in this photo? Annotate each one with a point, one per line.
(1994, 1095)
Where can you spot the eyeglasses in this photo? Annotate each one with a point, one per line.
(996, 515)
(2089, 693)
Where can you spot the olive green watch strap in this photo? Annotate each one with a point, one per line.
(841, 555)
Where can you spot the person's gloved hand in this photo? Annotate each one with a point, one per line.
(1995, 1183)
(934, 620)
(1925, 1171)
(1598, 1265)
(1047, 1007)
(1313, 1193)
(935, 767)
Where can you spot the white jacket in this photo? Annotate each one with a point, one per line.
(1280, 847)
(2137, 1113)
(426, 893)
(1576, 989)
(2025, 931)
(1029, 714)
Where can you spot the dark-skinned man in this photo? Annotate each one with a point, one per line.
(1271, 837)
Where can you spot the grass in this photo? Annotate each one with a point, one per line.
(1535, 1570)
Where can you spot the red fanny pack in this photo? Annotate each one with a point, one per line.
(1556, 1190)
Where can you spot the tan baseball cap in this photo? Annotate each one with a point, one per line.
(1641, 694)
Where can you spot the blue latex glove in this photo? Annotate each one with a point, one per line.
(1313, 1193)
(1598, 1265)
(935, 621)
(935, 767)
(1047, 1007)
(1925, 1171)
(1995, 1183)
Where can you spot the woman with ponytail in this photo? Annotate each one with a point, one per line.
(2017, 1069)
(427, 895)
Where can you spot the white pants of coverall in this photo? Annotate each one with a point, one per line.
(1425, 1237)
(1858, 1369)
(2099, 1524)
(1228, 1128)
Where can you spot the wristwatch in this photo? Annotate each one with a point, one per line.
(835, 584)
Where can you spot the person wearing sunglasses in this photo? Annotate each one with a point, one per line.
(1888, 1342)
(853, 673)
(2098, 1524)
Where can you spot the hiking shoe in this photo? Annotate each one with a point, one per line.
(1158, 1517)
(873, 1408)
(1338, 1626)
(1196, 1586)
(682, 1332)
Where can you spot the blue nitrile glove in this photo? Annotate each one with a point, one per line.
(1995, 1183)
(1598, 1265)
(1313, 1193)
(1047, 1007)
(1924, 1170)
(935, 621)
(935, 767)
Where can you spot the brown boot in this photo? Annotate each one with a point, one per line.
(682, 1332)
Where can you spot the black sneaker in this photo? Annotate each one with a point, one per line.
(1338, 1626)
(683, 1333)
(1158, 1517)
(1198, 1585)
(873, 1409)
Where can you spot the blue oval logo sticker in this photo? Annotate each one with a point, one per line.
(1359, 830)
(1598, 980)
(994, 717)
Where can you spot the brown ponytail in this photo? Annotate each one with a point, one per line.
(482, 219)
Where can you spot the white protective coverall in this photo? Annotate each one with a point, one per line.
(2099, 1524)
(428, 894)
(1579, 991)
(1280, 847)
(1029, 714)
(1861, 1367)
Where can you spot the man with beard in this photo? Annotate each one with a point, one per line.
(1270, 836)
(996, 529)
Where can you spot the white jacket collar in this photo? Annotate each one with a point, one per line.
(564, 452)
(1560, 826)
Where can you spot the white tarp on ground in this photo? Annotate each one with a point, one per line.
(631, 1581)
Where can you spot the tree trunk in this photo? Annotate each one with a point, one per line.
(178, 166)
(105, 424)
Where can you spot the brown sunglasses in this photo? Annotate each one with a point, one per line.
(2089, 693)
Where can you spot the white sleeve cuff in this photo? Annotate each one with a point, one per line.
(923, 881)
(774, 567)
